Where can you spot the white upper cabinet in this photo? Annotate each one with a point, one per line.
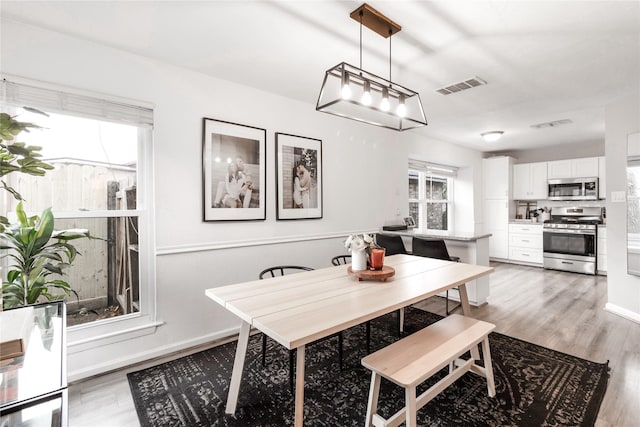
(530, 181)
(584, 168)
(575, 168)
(559, 169)
(496, 177)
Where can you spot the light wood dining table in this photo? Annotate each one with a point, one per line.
(300, 308)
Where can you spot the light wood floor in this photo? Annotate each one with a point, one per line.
(562, 311)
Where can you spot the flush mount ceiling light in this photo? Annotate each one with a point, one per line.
(356, 94)
(492, 136)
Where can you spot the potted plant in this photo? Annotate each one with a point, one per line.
(39, 254)
(27, 243)
(18, 157)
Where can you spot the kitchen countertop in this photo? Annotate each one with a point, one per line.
(516, 221)
(446, 235)
(513, 221)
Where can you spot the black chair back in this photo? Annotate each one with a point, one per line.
(341, 259)
(393, 244)
(430, 248)
(281, 270)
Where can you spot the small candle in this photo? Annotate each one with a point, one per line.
(377, 258)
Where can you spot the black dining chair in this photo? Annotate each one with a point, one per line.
(434, 248)
(343, 260)
(282, 270)
(392, 244)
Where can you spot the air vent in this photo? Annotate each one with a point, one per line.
(552, 124)
(457, 87)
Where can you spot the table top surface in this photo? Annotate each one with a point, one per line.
(42, 369)
(300, 308)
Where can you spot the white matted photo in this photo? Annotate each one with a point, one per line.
(233, 171)
(299, 177)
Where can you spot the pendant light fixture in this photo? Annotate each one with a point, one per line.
(356, 94)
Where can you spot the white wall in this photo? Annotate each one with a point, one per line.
(468, 189)
(622, 118)
(364, 169)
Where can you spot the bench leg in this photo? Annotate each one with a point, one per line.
(466, 310)
(486, 352)
(372, 406)
(412, 407)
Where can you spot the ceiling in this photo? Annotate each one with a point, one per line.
(542, 60)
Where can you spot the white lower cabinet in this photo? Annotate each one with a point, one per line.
(525, 243)
(601, 250)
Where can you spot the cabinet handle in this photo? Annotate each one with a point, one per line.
(525, 241)
(525, 254)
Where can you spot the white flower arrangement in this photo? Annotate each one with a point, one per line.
(358, 242)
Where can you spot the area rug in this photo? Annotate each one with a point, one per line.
(535, 386)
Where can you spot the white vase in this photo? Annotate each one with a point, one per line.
(358, 260)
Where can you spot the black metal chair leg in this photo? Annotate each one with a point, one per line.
(291, 368)
(264, 349)
(340, 349)
(446, 304)
(368, 331)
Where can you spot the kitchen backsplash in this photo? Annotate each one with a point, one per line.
(521, 207)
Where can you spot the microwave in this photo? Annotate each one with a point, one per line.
(573, 189)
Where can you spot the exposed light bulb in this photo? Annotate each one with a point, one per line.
(366, 95)
(401, 111)
(346, 89)
(384, 104)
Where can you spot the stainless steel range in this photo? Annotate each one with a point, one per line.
(570, 239)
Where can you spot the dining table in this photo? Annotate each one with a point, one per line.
(298, 309)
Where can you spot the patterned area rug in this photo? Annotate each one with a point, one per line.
(535, 386)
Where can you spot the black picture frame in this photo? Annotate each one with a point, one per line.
(233, 171)
(299, 191)
(409, 222)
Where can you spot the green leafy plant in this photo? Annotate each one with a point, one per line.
(18, 157)
(37, 253)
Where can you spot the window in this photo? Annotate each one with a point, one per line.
(101, 153)
(431, 195)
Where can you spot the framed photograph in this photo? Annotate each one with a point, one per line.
(233, 171)
(409, 222)
(298, 177)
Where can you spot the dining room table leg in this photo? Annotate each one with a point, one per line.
(299, 411)
(466, 310)
(238, 366)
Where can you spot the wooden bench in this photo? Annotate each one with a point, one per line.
(414, 359)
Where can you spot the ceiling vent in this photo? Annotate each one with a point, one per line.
(457, 87)
(552, 124)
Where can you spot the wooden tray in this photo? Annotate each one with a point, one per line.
(382, 275)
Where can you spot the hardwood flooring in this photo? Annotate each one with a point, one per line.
(559, 310)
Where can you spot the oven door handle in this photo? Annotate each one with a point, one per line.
(568, 231)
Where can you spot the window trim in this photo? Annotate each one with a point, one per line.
(423, 202)
(95, 334)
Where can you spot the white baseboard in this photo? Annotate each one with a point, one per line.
(131, 359)
(622, 312)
